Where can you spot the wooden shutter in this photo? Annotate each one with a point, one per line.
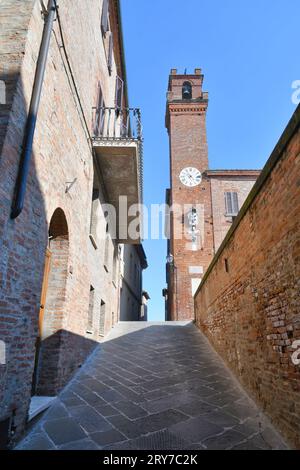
(235, 203)
(228, 204)
(119, 92)
(104, 17)
(99, 116)
(110, 54)
(231, 203)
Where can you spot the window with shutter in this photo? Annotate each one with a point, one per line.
(110, 54)
(115, 263)
(228, 206)
(106, 249)
(102, 319)
(91, 310)
(119, 92)
(104, 17)
(231, 203)
(94, 217)
(235, 203)
(100, 115)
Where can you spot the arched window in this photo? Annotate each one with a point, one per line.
(186, 91)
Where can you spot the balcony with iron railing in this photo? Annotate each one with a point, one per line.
(117, 123)
(118, 146)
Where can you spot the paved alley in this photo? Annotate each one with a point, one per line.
(153, 386)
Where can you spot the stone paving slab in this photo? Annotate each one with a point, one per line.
(153, 386)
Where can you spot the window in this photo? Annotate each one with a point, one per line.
(186, 91)
(231, 203)
(89, 328)
(106, 250)
(119, 92)
(226, 265)
(99, 114)
(95, 211)
(115, 263)
(104, 17)
(107, 35)
(102, 319)
(110, 54)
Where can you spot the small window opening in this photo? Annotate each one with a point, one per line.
(226, 265)
(187, 91)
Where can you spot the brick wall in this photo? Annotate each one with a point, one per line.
(14, 20)
(251, 313)
(61, 155)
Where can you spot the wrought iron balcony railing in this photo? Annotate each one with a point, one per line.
(117, 128)
(117, 124)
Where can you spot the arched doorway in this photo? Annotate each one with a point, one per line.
(48, 347)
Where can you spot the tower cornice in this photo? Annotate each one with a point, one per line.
(198, 106)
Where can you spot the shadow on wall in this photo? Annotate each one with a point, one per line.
(60, 356)
(23, 243)
(39, 357)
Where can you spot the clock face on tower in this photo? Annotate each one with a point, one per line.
(190, 176)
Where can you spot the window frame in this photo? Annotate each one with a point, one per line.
(105, 17)
(99, 121)
(91, 311)
(231, 203)
(110, 53)
(102, 318)
(119, 92)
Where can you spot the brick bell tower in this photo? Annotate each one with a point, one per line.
(190, 244)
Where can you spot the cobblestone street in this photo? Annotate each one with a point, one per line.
(153, 386)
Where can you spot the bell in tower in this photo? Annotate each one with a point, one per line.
(186, 91)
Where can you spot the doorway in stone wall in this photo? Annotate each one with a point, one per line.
(48, 358)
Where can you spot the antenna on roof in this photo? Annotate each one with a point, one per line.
(184, 71)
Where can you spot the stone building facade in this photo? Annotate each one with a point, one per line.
(60, 258)
(131, 296)
(224, 185)
(203, 202)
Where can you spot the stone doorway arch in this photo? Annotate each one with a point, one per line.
(49, 360)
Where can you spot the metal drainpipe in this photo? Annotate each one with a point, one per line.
(20, 189)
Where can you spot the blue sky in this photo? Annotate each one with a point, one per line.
(249, 53)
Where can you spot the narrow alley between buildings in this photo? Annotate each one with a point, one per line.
(157, 386)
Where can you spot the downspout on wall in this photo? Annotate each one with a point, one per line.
(24, 166)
